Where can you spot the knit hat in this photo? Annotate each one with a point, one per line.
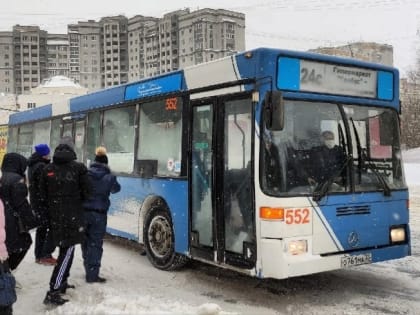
(100, 155)
(42, 149)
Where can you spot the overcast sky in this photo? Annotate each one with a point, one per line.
(289, 24)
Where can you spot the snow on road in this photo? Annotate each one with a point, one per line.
(135, 287)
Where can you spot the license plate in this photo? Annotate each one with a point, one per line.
(355, 260)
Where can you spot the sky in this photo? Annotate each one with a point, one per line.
(288, 24)
(135, 287)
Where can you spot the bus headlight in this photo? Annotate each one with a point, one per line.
(397, 234)
(297, 247)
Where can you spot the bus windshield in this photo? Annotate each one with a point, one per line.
(332, 147)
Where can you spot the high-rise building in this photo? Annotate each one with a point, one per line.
(117, 50)
(30, 57)
(209, 34)
(85, 40)
(114, 31)
(7, 76)
(182, 38)
(58, 55)
(139, 29)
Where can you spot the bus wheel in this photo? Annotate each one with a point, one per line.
(159, 241)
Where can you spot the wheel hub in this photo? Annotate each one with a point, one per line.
(160, 236)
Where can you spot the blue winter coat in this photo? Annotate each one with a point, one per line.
(103, 183)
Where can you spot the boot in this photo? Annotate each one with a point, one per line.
(98, 279)
(66, 286)
(54, 298)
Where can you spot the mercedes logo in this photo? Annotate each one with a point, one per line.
(353, 239)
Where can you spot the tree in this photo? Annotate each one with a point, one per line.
(410, 108)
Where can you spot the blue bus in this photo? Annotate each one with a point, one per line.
(225, 162)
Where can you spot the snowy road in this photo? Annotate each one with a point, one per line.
(135, 287)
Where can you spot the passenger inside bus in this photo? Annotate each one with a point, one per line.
(200, 176)
(111, 137)
(329, 159)
(238, 204)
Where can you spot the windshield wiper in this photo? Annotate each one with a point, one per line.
(382, 181)
(322, 188)
(361, 154)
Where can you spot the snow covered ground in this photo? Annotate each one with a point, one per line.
(135, 287)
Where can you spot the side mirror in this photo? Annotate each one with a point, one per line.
(274, 110)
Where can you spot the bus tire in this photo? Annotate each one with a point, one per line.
(159, 240)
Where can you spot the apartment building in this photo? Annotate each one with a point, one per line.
(117, 50)
(159, 46)
(139, 29)
(367, 51)
(58, 51)
(7, 76)
(144, 46)
(209, 34)
(85, 54)
(30, 57)
(114, 32)
(182, 38)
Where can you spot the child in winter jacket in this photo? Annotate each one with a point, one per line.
(96, 207)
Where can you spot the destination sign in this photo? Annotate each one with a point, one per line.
(337, 79)
(321, 77)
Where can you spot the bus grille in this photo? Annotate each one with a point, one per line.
(353, 210)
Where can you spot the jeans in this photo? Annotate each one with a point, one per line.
(92, 247)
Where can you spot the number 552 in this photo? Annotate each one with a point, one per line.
(297, 216)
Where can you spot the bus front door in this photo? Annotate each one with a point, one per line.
(202, 227)
(222, 193)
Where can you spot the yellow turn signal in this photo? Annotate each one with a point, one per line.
(269, 213)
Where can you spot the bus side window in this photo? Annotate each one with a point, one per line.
(160, 134)
(118, 138)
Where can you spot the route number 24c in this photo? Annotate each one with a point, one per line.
(296, 216)
(310, 76)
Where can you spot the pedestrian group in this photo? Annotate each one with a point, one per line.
(68, 205)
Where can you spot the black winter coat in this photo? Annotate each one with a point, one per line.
(36, 164)
(14, 193)
(103, 183)
(64, 186)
